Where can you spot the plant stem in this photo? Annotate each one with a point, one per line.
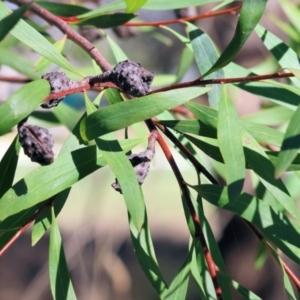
(196, 221)
(188, 19)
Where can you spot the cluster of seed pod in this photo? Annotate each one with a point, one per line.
(36, 142)
(141, 162)
(129, 76)
(58, 82)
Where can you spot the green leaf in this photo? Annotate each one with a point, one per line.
(10, 21)
(43, 62)
(116, 49)
(250, 15)
(274, 225)
(134, 5)
(63, 9)
(205, 55)
(178, 288)
(208, 116)
(21, 103)
(18, 62)
(292, 12)
(60, 281)
(8, 166)
(120, 165)
(66, 115)
(230, 143)
(285, 56)
(107, 21)
(144, 250)
(186, 60)
(123, 114)
(290, 145)
(39, 185)
(36, 41)
(262, 166)
(43, 222)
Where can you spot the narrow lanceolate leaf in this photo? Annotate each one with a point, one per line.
(60, 281)
(250, 15)
(32, 38)
(8, 166)
(208, 116)
(43, 222)
(10, 21)
(66, 115)
(274, 225)
(230, 143)
(285, 56)
(119, 54)
(206, 55)
(107, 20)
(134, 5)
(262, 166)
(48, 181)
(137, 214)
(120, 165)
(178, 287)
(43, 62)
(18, 62)
(21, 103)
(290, 145)
(121, 115)
(63, 9)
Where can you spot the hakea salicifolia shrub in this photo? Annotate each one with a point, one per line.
(128, 76)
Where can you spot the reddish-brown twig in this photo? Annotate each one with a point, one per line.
(14, 79)
(209, 14)
(23, 228)
(198, 230)
(71, 34)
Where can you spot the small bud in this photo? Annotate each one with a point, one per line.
(36, 142)
(141, 162)
(58, 82)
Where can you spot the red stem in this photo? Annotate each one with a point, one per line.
(180, 20)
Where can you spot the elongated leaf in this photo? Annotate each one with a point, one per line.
(63, 9)
(208, 116)
(123, 114)
(178, 288)
(10, 21)
(43, 222)
(43, 62)
(137, 214)
(274, 225)
(37, 186)
(134, 5)
(120, 165)
(186, 60)
(116, 49)
(230, 143)
(60, 281)
(206, 55)
(66, 115)
(18, 62)
(107, 21)
(262, 166)
(8, 166)
(292, 13)
(250, 15)
(36, 41)
(285, 56)
(20, 104)
(290, 145)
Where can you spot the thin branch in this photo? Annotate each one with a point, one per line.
(14, 79)
(200, 82)
(188, 19)
(23, 228)
(71, 34)
(198, 230)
